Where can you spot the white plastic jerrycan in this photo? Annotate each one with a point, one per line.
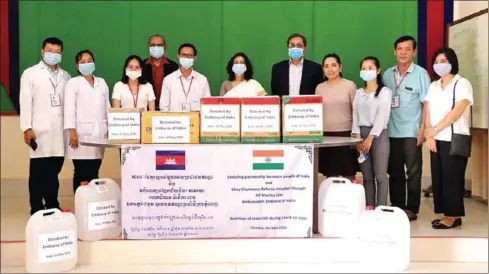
(384, 236)
(51, 241)
(97, 210)
(341, 204)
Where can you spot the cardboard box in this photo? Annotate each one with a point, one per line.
(170, 127)
(260, 119)
(124, 125)
(220, 120)
(302, 120)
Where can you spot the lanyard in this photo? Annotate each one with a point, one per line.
(395, 80)
(135, 98)
(189, 87)
(52, 83)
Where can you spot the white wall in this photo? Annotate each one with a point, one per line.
(465, 8)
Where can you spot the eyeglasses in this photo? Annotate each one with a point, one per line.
(188, 55)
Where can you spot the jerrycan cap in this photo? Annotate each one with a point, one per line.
(84, 183)
(370, 208)
(65, 210)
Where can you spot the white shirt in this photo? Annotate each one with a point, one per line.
(85, 110)
(441, 101)
(248, 88)
(371, 111)
(38, 113)
(123, 93)
(178, 92)
(295, 77)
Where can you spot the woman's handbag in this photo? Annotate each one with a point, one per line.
(461, 144)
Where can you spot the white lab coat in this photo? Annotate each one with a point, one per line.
(37, 113)
(86, 111)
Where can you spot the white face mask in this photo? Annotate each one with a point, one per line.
(133, 74)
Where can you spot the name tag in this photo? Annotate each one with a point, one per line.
(408, 88)
(395, 101)
(55, 100)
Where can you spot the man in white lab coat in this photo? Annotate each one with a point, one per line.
(41, 121)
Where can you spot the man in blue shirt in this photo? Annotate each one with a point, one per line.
(409, 84)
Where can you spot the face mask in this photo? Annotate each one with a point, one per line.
(133, 74)
(442, 69)
(368, 75)
(51, 58)
(156, 52)
(186, 62)
(296, 53)
(86, 69)
(239, 69)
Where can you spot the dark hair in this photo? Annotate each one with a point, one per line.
(52, 41)
(125, 78)
(380, 83)
(405, 38)
(248, 74)
(79, 55)
(451, 57)
(297, 35)
(338, 60)
(187, 45)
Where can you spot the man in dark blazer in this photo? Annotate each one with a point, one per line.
(296, 76)
(157, 66)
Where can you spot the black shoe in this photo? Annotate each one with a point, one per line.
(456, 223)
(435, 221)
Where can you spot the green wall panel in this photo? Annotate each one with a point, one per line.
(115, 29)
(361, 28)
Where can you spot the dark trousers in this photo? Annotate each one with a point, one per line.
(405, 152)
(44, 182)
(448, 180)
(85, 170)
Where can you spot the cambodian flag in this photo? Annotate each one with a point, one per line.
(170, 160)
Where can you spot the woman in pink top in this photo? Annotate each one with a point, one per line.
(338, 94)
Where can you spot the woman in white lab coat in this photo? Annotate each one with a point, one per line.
(133, 90)
(86, 104)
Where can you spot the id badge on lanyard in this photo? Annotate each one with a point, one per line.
(395, 103)
(55, 96)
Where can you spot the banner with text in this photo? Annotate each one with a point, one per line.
(217, 191)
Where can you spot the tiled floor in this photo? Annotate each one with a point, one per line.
(267, 268)
(15, 213)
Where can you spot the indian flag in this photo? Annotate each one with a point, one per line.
(268, 159)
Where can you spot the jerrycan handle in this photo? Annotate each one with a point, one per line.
(99, 181)
(388, 209)
(47, 212)
(339, 180)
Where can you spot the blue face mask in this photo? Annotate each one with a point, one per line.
(368, 75)
(442, 69)
(86, 69)
(52, 58)
(186, 62)
(239, 69)
(296, 53)
(156, 52)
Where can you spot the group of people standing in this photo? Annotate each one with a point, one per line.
(395, 113)
(391, 113)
